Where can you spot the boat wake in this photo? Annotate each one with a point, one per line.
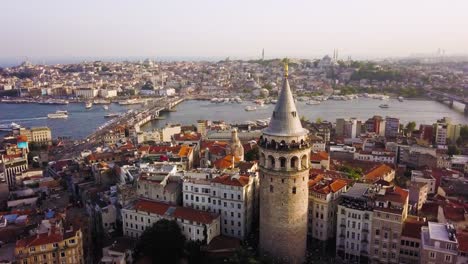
(23, 119)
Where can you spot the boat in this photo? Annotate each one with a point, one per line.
(400, 98)
(384, 106)
(112, 115)
(8, 127)
(88, 105)
(54, 102)
(101, 101)
(250, 108)
(313, 102)
(59, 114)
(105, 107)
(130, 102)
(237, 99)
(274, 101)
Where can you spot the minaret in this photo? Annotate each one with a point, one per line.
(237, 150)
(284, 172)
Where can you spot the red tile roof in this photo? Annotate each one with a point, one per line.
(412, 227)
(233, 181)
(377, 173)
(151, 207)
(187, 136)
(190, 214)
(319, 156)
(40, 239)
(225, 162)
(462, 237)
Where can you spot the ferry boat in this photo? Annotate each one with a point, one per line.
(105, 107)
(250, 108)
(88, 105)
(9, 127)
(59, 114)
(101, 101)
(54, 102)
(384, 106)
(130, 102)
(112, 115)
(400, 98)
(312, 102)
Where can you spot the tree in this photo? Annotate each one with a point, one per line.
(318, 120)
(243, 255)
(410, 127)
(453, 150)
(162, 243)
(251, 155)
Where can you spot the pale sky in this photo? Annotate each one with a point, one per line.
(236, 28)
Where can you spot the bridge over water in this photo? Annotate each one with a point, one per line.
(441, 97)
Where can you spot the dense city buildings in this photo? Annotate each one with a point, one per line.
(366, 189)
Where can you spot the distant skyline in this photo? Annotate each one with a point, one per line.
(239, 29)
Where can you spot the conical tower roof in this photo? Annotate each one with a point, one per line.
(285, 119)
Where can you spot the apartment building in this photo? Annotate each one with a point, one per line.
(410, 240)
(390, 204)
(392, 127)
(354, 224)
(324, 195)
(231, 196)
(196, 225)
(439, 244)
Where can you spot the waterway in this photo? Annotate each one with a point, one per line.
(82, 122)
(420, 111)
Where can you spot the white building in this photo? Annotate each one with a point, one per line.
(424, 177)
(86, 92)
(231, 197)
(354, 222)
(195, 225)
(107, 93)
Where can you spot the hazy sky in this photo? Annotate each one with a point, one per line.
(236, 28)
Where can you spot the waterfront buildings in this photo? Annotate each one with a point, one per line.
(38, 135)
(446, 132)
(86, 93)
(392, 127)
(284, 171)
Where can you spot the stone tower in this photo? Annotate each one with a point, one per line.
(236, 148)
(284, 173)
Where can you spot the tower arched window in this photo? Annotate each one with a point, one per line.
(271, 162)
(294, 190)
(305, 162)
(294, 113)
(294, 162)
(271, 188)
(282, 162)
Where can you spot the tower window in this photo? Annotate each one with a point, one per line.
(294, 190)
(274, 114)
(294, 113)
(271, 188)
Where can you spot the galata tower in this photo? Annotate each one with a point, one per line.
(284, 173)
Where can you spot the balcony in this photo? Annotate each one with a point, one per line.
(343, 225)
(364, 252)
(342, 236)
(365, 230)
